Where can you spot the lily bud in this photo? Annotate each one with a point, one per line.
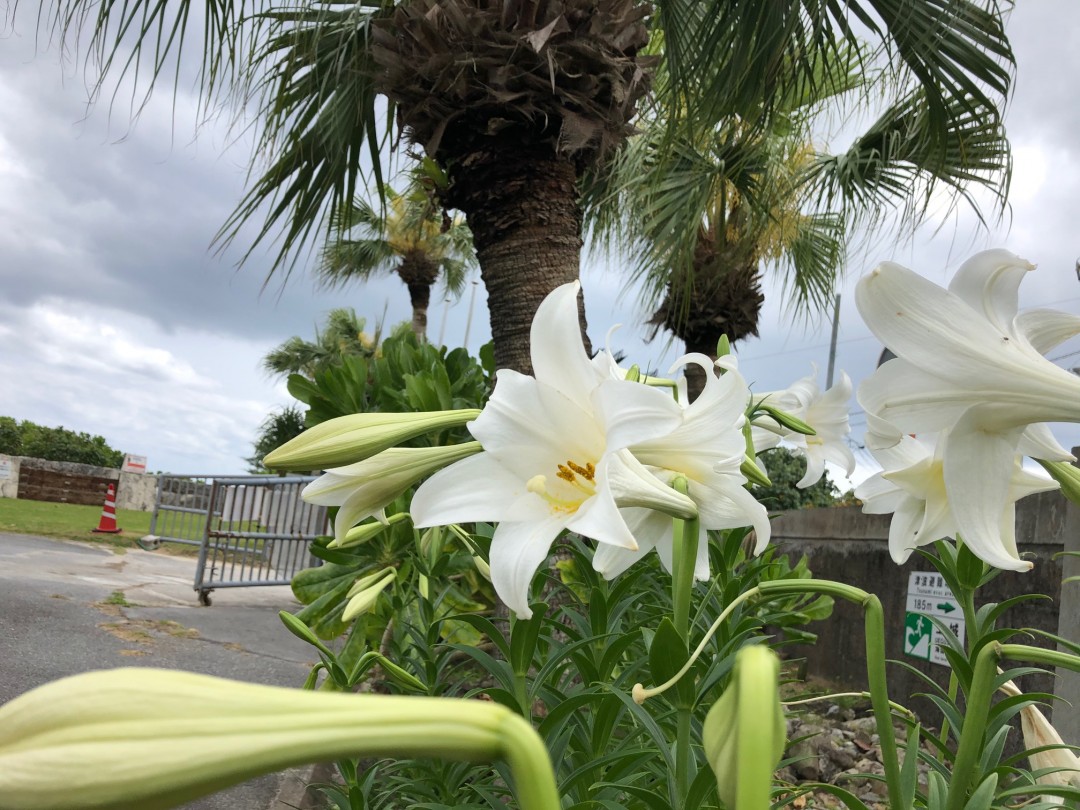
(358, 535)
(1039, 733)
(366, 591)
(363, 489)
(148, 739)
(754, 474)
(353, 438)
(792, 423)
(746, 727)
(1066, 474)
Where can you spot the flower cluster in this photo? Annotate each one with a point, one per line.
(968, 394)
(582, 446)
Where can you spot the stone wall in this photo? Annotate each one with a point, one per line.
(68, 482)
(844, 544)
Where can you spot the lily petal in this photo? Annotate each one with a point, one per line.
(558, 355)
(1046, 329)
(904, 528)
(517, 551)
(649, 528)
(477, 489)
(977, 467)
(989, 282)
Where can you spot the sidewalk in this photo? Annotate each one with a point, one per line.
(67, 608)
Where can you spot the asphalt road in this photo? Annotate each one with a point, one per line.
(55, 620)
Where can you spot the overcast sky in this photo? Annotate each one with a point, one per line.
(116, 317)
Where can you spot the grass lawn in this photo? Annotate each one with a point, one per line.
(75, 522)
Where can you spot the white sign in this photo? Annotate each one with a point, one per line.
(134, 464)
(928, 595)
(5, 467)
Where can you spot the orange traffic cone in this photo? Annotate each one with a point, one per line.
(107, 524)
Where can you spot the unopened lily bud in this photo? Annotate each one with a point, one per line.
(358, 535)
(634, 373)
(353, 438)
(366, 591)
(146, 739)
(1065, 474)
(482, 567)
(746, 725)
(361, 490)
(754, 474)
(792, 423)
(723, 346)
(1038, 733)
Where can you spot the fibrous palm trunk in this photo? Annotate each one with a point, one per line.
(723, 298)
(419, 273)
(522, 207)
(514, 99)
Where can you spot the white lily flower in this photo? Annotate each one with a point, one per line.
(912, 487)
(967, 352)
(707, 449)
(363, 489)
(826, 413)
(554, 456)
(971, 367)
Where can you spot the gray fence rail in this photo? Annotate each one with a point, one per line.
(251, 530)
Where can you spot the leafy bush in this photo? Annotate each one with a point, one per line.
(56, 444)
(785, 470)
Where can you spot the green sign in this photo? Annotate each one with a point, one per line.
(918, 632)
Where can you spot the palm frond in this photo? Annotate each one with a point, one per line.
(346, 260)
(746, 57)
(899, 163)
(813, 259)
(319, 121)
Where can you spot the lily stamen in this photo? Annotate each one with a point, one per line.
(570, 471)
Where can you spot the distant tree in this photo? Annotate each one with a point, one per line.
(56, 444)
(10, 437)
(785, 470)
(276, 429)
(410, 236)
(343, 336)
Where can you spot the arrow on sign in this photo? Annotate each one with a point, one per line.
(946, 607)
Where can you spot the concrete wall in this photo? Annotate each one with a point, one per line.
(136, 491)
(844, 544)
(133, 490)
(9, 486)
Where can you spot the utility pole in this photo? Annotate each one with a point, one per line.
(832, 342)
(468, 320)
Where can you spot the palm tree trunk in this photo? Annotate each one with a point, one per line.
(420, 297)
(419, 273)
(522, 206)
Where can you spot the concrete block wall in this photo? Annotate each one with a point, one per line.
(9, 486)
(134, 491)
(845, 545)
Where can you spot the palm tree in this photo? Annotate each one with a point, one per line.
(406, 237)
(516, 99)
(701, 215)
(277, 428)
(343, 336)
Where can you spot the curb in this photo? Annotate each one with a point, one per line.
(293, 793)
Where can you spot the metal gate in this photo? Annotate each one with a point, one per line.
(251, 529)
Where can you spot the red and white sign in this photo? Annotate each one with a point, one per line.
(134, 464)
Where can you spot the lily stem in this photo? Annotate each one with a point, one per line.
(683, 562)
